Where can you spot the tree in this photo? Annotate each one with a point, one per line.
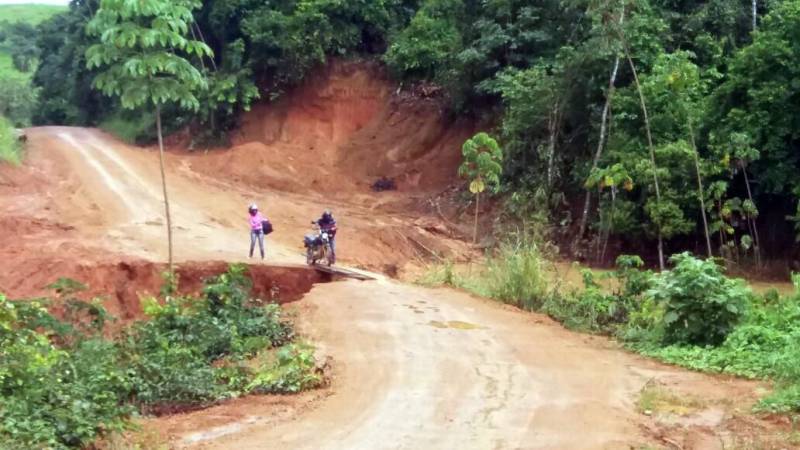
(744, 154)
(66, 95)
(607, 36)
(230, 90)
(143, 49)
(482, 167)
(613, 178)
(652, 155)
(17, 100)
(534, 100)
(682, 94)
(24, 54)
(21, 45)
(426, 46)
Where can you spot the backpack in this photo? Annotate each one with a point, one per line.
(266, 225)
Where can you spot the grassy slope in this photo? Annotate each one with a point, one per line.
(9, 147)
(30, 13)
(33, 14)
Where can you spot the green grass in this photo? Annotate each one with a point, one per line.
(9, 146)
(28, 12)
(517, 274)
(7, 69)
(762, 342)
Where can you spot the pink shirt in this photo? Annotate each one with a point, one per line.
(255, 221)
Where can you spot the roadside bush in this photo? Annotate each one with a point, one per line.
(17, 101)
(589, 310)
(701, 305)
(62, 383)
(9, 146)
(517, 275)
(765, 345)
(598, 309)
(54, 397)
(291, 370)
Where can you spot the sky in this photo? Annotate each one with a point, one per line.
(43, 2)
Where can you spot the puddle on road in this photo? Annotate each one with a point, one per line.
(454, 324)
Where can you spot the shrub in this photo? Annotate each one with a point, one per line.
(292, 370)
(52, 397)
(62, 384)
(701, 305)
(517, 275)
(597, 310)
(587, 310)
(765, 345)
(9, 145)
(17, 100)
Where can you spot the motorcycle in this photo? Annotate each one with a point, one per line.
(318, 247)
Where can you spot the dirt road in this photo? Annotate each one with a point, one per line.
(414, 368)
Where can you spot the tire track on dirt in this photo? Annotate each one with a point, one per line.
(134, 208)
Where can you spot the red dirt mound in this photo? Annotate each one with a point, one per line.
(349, 125)
(122, 285)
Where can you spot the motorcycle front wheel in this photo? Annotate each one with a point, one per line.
(310, 257)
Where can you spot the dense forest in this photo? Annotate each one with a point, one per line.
(649, 126)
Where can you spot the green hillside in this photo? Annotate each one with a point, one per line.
(29, 13)
(17, 98)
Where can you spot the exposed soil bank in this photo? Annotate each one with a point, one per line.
(345, 127)
(122, 285)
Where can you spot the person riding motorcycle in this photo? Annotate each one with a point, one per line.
(328, 224)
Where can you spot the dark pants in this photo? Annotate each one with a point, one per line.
(257, 235)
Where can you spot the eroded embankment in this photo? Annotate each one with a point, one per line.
(123, 285)
(347, 125)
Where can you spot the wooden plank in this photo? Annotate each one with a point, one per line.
(343, 272)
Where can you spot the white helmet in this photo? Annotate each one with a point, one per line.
(253, 207)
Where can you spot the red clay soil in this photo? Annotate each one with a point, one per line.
(413, 367)
(123, 285)
(338, 133)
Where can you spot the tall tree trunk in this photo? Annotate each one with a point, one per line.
(600, 142)
(755, 14)
(721, 228)
(164, 185)
(553, 124)
(599, 152)
(477, 207)
(203, 39)
(701, 193)
(652, 152)
(609, 224)
(756, 239)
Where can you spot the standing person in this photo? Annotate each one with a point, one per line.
(328, 224)
(256, 229)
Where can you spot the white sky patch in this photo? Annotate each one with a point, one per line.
(38, 2)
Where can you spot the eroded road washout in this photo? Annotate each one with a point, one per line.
(414, 368)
